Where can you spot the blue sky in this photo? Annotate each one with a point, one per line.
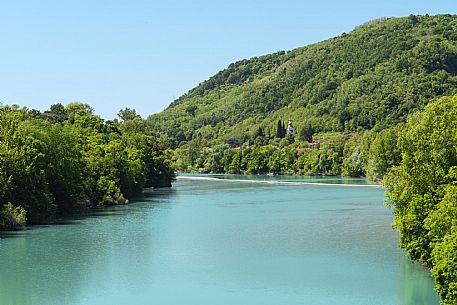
(143, 54)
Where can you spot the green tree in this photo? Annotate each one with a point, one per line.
(69, 159)
(383, 153)
(306, 133)
(422, 190)
(279, 130)
(12, 217)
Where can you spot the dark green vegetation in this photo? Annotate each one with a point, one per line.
(349, 98)
(67, 159)
(352, 86)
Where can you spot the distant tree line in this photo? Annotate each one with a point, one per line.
(364, 154)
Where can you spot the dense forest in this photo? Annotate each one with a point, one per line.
(67, 159)
(339, 94)
(378, 102)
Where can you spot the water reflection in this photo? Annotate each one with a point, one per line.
(416, 284)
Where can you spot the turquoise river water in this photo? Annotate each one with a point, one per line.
(211, 242)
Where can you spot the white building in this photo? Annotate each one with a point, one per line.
(290, 128)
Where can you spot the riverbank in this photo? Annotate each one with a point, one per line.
(263, 181)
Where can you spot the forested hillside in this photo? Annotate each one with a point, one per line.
(368, 80)
(67, 159)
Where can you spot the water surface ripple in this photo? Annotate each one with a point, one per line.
(205, 242)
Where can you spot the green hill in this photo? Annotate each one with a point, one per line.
(371, 78)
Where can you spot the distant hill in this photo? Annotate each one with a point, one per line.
(370, 78)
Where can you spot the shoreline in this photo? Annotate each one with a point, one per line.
(275, 182)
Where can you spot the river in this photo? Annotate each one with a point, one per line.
(214, 242)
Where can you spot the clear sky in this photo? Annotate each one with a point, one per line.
(143, 54)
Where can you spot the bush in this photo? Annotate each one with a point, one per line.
(12, 217)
